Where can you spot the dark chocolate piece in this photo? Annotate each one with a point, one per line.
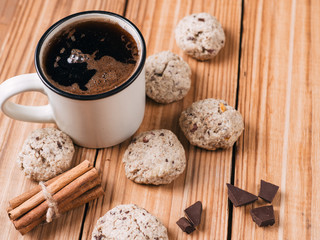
(240, 197)
(194, 213)
(267, 191)
(263, 216)
(185, 225)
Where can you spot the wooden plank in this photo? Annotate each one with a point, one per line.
(278, 97)
(28, 23)
(7, 11)
(207, 172)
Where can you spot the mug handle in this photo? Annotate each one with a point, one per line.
(19, 84)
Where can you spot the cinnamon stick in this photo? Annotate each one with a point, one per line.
(15, 202)
(74, 189)
(84, 198)
(66, 206)
(52, 188)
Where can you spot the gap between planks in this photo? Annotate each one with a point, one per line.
(87, 204)
(234, 148)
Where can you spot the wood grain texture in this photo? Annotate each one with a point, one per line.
(277, 96)
(7, 11)
(207, 172)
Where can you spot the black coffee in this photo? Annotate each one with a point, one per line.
(90, 57)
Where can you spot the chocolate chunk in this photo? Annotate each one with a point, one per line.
(194, 213)
(185, 225)
(267, 191)
(194, 128)
(99, 237)
(210, 50)
(240, 197)
(263, 216)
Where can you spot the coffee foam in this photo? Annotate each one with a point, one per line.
(109, 72)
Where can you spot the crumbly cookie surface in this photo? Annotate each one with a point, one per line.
(46, 153)
(129, 222)
(200, 35)
(154, 157)
(167, 77)
(211, 124)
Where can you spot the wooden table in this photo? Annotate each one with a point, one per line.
(269, 70)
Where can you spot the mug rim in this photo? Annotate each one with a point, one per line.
(119, 88)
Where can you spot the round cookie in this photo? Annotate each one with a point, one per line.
(200, 35)
(211, 124)
(129, 222)
(154, 157)
(46, 153)
(167, 77)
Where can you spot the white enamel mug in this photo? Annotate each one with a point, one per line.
(93, 121)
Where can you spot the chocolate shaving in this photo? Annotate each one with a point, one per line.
(185, 225)
(267, 191)
(263, 216)
(194, 213)
(240, 197)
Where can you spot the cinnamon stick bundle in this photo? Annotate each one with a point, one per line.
(69, 190)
